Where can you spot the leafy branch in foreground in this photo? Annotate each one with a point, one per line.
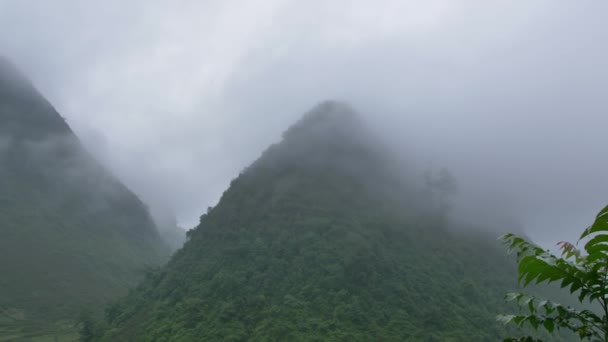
(583, 272)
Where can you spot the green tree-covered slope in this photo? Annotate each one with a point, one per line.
(322, 239)
(71, 235)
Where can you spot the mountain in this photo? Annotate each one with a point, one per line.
(71, 235)
(323, 238)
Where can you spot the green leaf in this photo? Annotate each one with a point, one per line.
(505, 319)
(533, 322)
(600, 224)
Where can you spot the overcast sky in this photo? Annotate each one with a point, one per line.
(177, 97)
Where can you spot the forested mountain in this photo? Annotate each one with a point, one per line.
(71, 235)
(322, 239)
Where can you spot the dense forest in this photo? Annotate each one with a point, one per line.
(322, 239)
(72, 237)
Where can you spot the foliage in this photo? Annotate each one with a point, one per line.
(583, 272)
(86, 326)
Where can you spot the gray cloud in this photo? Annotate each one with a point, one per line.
(177, 99)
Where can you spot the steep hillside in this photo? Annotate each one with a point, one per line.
(71, 235)
(321, 239)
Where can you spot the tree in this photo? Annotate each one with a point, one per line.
(86, 326)
(583, 272)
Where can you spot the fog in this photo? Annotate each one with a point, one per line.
(176, 99)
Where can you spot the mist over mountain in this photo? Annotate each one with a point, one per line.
(508, 96)
(72, 236)
(323, 238)
(137, 132)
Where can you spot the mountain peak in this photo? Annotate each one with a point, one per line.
(11, 76)
(331, 134)
(331, 110)
(331, 144)
(326, 117)
(25, 112)
(5, 64)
